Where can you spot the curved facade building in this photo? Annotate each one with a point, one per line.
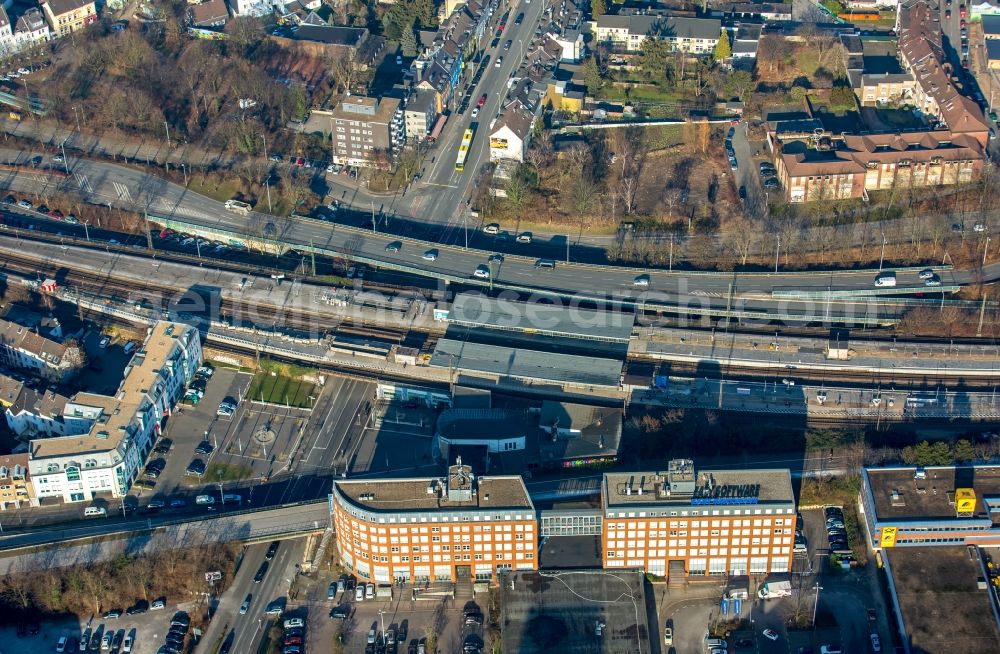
(431, 529)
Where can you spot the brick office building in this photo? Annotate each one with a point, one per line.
(712, 522)
(419, 530)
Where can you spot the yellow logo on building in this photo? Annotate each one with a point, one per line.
(888, 536)
(965, 501)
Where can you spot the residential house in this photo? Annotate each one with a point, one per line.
(28, 28)
(993, 54)
(991, 27)
(741, 11)
(209, 14)
(565, 96)
(361, 127)
(419, 115)
(511, 134)
(15, 483)
(67, 16)
(31, 28)
(570, 43)
(745, 40)
(22, 348)
(40, 414)
(885, 88)
(255, 8)
(627, 32)
(107, 459)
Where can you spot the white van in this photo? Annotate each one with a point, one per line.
(204, 499)
(95, 511)
(886, 280)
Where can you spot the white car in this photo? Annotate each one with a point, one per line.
(482, 272)
(926, 273)
(157, 605)
(430, 255)
(979, 227)
(61, 645)
(359, 593)
(499, 62)
(23, 71)
(104, 342)
(475, 112)
(129, 642)
(641, 280)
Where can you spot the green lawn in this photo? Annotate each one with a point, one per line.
(281, 389)
(201, 184)
(226, 472)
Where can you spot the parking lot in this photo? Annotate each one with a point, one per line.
(150, 629)
(190, 426)
(413, 621)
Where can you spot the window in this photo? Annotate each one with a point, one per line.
(72, 473)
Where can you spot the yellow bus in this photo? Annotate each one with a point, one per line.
(463, 150)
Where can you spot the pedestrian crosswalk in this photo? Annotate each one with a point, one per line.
(83, 183)
(122, 192)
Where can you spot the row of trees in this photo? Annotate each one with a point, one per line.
(178, 574)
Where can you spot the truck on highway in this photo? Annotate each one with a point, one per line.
(236, 206)
(772, 589)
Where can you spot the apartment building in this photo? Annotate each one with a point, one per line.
(709, 522)
(106, 459)
(68, 16)
(420, 115)
(951, 150)
(420, 530)
(627, 32)
(15, 485)
(22, 348)
(363, 128)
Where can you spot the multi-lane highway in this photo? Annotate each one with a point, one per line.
(105, 183)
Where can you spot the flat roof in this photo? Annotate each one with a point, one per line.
(551, 611)
(942, 608)
(482, 423)
(477, 310)
(932, 497)
(412, 495)
(120, 409)
(527, 364)
(767, 486)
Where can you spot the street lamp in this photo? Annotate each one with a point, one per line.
(881, 257)
(816, 588)
(986, 249)
(777, 249)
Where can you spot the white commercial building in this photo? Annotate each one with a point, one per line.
(107, 459)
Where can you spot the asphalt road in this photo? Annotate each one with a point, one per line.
(441, 196)
(247, 630)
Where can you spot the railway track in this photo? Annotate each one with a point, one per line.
(317, 325)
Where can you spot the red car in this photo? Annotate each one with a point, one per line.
(961, 23)
(961, 10)
(300, 162)
(293, 640)
(482, 101)
(56, 214)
